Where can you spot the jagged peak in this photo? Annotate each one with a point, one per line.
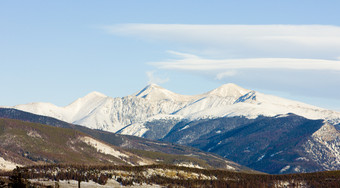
(229, 90)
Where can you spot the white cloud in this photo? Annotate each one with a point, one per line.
(152, 79)
(227, 67)
(243, 41)
(222, 75)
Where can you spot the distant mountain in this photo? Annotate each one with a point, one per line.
(130, 114)
(144, 151)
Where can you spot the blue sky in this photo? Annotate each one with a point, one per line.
(57, 51)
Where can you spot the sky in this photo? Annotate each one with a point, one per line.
(58, 51)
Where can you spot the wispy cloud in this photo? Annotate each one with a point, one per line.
(243, 41)
(153, 79)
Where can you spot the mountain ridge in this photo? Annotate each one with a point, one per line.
(155, 152)
(99, 111)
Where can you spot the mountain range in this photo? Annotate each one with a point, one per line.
(129, 114)
(263, 132)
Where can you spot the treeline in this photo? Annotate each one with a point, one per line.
(129, 175)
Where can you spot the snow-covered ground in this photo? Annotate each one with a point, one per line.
(103, 148)
(128, 175)
(190, 165)
(285, 168)
(7, 165)
(90, 184)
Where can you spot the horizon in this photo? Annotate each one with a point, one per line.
(59, 51)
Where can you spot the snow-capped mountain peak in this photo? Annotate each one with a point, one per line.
(89, 98)
(154, 92)
(228, 90)
(83, 106)
(151, 88)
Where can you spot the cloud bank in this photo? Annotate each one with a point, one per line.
(243, 41)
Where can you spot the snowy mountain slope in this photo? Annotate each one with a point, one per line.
(260, 104)
(77, 110)
(129, 114)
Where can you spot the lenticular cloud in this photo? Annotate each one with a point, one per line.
(243, 41)
(192, 62)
